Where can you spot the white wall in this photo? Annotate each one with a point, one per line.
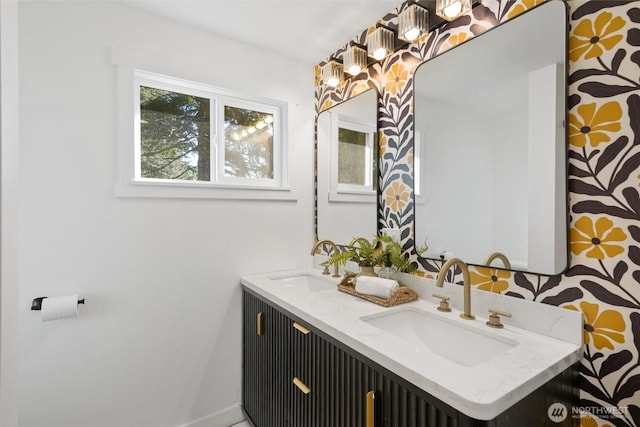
(158, 341)
(454, 159)
(352, 215)
(472, 168)
(510, 220)
(9, 216)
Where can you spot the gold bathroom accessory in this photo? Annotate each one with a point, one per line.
(371, 408)
(466, 280)
(502, 257)
(359, 240)
(444, 303)
(301, 328)
(301, 386)
(494, 318)
(314, 250)
(260, 323)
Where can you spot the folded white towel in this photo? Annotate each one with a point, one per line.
(376, 286)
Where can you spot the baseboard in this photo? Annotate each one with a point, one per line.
(225, 418)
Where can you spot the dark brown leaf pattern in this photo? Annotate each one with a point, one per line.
(615, 362)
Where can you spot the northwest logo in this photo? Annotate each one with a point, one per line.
(557, 412)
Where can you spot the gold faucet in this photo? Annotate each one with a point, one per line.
(314, 250)
(359, 240)
(500, 256)
(466, 282)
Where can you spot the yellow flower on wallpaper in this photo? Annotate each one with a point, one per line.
(359, 87)
(490, 279)
(453, 40)
(396, 78)
(596, 238)
(601, 327)
(590, 422)
(594, 124)
(523, 7)
(382, 144)
(397, 196)
(591, 38)
(327, 104)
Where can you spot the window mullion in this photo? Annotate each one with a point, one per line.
(213, 151)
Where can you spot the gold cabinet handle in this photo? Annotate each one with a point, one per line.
(301, 328)
(371, 409)
(260, 323)
(302, 386)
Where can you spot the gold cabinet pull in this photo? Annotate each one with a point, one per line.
(260, 323)
(301, 328)
(371, 409)
(302, 386)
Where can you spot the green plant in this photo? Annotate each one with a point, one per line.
(374, 253)
(361, 251)
(397, 255)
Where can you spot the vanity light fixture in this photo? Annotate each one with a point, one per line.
(451, 9)
(332, 73)
(354, 59)
(380, 42)
(413, 22)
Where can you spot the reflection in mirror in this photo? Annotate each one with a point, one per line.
(489, 115)
(347, 148)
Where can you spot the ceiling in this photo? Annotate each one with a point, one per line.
(307, 30)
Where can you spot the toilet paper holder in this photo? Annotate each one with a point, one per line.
(36, 304)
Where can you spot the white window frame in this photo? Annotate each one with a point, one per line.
(219, 141)
(351, 192)
(418, 155)
(132, 184)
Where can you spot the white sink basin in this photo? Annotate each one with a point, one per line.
(311, 283)
(445, 337)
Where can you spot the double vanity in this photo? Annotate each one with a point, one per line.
(315, 356)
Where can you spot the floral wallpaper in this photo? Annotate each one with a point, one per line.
(603, 278)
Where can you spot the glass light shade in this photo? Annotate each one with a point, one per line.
(354, 60)
(451, 9)
(332, 73)
(380, 43)
(413, 22)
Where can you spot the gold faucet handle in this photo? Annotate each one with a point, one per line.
(494, 318)
(444, 302)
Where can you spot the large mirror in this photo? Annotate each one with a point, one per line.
(491, 146)
(346, 169)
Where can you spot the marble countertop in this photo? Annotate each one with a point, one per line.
(549, 339)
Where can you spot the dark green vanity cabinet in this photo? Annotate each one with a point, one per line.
(279, 348)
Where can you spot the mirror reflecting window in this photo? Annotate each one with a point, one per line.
(490, 116)
(355, 161)
(346, 169)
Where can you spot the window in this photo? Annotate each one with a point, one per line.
(354, 167)
(190, 134)
(354, 160)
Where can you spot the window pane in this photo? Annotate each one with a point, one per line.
(248, 143)
(174, 132)
(352, 157)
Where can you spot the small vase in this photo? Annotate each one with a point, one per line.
(367, 271)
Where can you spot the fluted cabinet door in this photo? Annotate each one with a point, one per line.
(265, 363)
(303, 388)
